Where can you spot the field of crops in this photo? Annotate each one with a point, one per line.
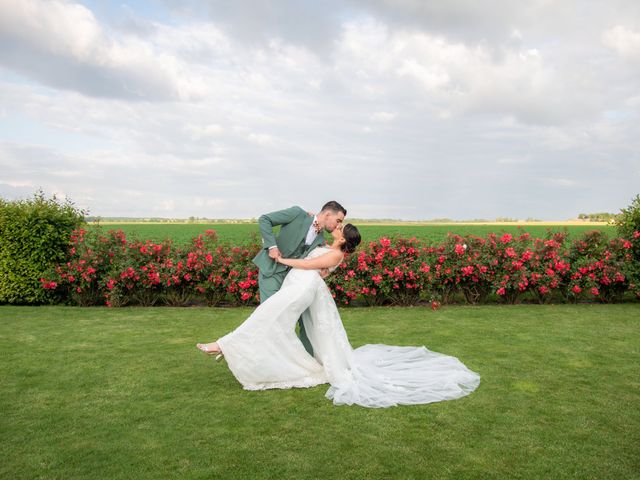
(181, 233)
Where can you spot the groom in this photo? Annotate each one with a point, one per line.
(299, 234)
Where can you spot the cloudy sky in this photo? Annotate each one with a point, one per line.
(411, 109)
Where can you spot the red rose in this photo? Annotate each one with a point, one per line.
(506, 238)
(466, 271)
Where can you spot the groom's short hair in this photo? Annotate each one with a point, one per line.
(335, 207)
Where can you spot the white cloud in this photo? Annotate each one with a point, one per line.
(63, 45)
(623, 40)
(384, 117)
(511, 161)
(200, 132)
(260, 139)
(458, 78)
(18, 184)
(562, 182)
(58, 27)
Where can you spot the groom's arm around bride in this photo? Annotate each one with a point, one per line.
(294, 223)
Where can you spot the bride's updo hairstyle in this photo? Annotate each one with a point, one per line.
(352, 238)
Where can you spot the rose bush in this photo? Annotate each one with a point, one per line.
(112, 270)
(601, 268)
(384, 272)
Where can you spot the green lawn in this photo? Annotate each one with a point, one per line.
(241, 233)
(123, 393)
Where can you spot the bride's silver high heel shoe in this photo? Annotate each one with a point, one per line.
(219, 356)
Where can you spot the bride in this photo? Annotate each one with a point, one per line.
(264, 351)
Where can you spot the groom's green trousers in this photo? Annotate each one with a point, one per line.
(269, 286)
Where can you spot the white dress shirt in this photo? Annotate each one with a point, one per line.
(311, 234)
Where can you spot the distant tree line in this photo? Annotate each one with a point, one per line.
(598, 217)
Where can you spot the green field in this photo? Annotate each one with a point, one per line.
(124, 394)
(241, 233)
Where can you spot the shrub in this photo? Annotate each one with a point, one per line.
(628, 221)
(34, 236)
(466, 264)
(628, 224)
(600, 268)
(384, 272)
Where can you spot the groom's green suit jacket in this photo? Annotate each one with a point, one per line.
(294, 225)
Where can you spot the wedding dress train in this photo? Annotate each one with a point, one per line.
(264, 352)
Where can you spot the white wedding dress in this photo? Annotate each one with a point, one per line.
(264, 352)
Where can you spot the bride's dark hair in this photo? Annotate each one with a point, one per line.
(352, 238)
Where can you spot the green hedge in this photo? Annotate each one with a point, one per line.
(34, 236)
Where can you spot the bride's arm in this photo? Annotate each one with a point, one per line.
(327, 260)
